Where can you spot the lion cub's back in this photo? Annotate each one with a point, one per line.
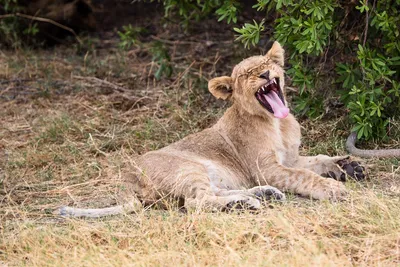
(207, 143)
(204, 152)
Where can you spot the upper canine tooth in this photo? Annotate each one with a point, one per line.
(274, 80)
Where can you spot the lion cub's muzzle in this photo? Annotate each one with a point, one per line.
(270, 96)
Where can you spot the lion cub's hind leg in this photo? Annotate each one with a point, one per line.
(223, 203)
(194, 183)
(224, 199)
(264, 193)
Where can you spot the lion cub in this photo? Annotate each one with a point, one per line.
(251, 153)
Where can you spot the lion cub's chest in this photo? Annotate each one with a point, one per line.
(284, 142)
(280, 151)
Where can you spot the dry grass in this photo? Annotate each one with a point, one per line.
(70, 122)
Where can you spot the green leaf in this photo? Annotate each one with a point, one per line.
(356, 128)
(360, 132)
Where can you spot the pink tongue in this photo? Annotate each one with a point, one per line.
(280, 110)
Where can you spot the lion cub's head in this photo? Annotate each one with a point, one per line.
(256, 84)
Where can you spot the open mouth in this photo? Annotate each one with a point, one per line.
(271, 98)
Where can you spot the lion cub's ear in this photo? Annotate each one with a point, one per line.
(276, 53)
(221, 87)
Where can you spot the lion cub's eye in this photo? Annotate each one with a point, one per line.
(244, 75)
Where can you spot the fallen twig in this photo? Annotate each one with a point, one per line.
(112, 85)
(178, 79)
(366, 24)
(174, 42)
(55, 23)
(15, 81)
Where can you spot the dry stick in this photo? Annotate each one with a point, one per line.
(15, 81)
(114, 86)
(55, 23)
(369, 153)
(171, 42)
(120, 89)
(5, 90)
(182, 74)
(366, 24)
(293, 89)
(66, 188)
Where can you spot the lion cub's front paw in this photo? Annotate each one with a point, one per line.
(352, 169)
(343, 166)
(329, 189)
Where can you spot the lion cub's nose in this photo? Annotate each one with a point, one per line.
(265, 75)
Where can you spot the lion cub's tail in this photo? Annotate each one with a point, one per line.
(367, 153)
(129, 207)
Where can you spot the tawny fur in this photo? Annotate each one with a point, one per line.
(247, 149)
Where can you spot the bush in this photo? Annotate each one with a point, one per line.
(364, 37)
(332, 45)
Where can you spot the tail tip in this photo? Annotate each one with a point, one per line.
(63, 211)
